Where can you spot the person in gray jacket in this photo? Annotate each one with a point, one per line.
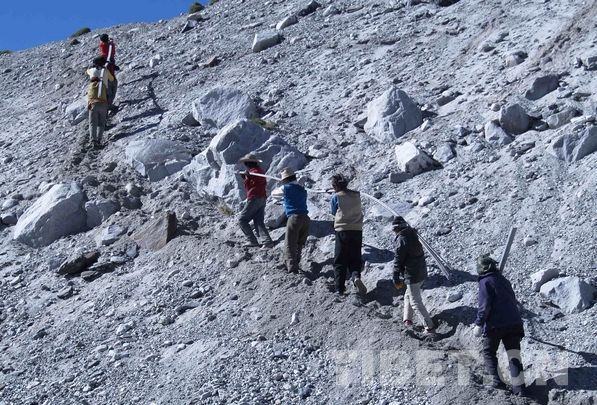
(348, 226)
(410, 266)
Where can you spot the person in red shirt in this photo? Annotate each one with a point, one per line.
(107, 50)
(254, 209)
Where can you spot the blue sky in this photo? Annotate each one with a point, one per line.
(28, 23)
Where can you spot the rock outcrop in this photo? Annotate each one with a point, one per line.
(571, 146)
(59, 212)
(157, 158)
(392, 115)
(222, 106)
(570, 294)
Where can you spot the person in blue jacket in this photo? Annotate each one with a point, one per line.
(297, 226)
(498, 320)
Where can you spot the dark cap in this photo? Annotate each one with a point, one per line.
(399, 223)
(104, 38)
(485, 264)
(99, 61)
(339, 181)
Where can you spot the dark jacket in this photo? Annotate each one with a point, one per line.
(409, 259)
(498, 308)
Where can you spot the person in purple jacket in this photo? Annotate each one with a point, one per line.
(498, 320)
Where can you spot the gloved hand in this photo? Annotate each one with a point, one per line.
(477, 331)
(398, 284)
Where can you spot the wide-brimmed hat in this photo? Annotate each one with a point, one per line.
(287, 172)
(249, 157)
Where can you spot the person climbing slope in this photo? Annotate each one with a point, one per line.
(107, 50)
(498, 320)
(254, 209)
(97, 104)
(410, 266)
(297, 227)
(345, 205)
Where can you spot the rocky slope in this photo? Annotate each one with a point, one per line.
(467, 119)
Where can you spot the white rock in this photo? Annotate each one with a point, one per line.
(542, 276)
(330, 11)
(426, 200)
(444, 153)
(155, 60)
(392, 115)
(157, 158)
(570, 294)
(294, 319)
(76, 112)
(57, 213)
(9, 203)
(286, 22)
(411, 159)
(264, 40)
(222, 106)
(109, 235)
(496, 135)
(215, 170)
(529, 241)
(573, 146)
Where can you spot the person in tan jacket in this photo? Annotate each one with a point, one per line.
(348, 225)
(97, 103)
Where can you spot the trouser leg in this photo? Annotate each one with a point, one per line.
(512, 346)
(305, 222)
(112, 88)
(355, 260)
(340, 266)
(490, 347)
(408, 310)
(416, 300)
(102, 109)
(93, 124)
(260, 224)
(291, 244)
(246, 215)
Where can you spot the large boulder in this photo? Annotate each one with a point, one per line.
(157, 158)
(309, 8)
(495, 134)
(222, 106)
(264, 40)
(287, 22)
(542, 86)
(574, 145)
(215, 169)
(76, 112)
(542, 276)
(514, 119)
(392, 115)
(57, 213)
(412, 160)
(570, 294)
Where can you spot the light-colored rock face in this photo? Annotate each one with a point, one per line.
(157, 158)
(266, 39)
(542, 86)
(287, 22)
(76, 112)
(98, 211)
(59, 212)
(222, 106)
(392, 115)
(541, 277)
(215, 170)
(495, 134)
(571, 146)
(570, 294)
(411, 159)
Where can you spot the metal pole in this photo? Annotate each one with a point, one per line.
(507, 250)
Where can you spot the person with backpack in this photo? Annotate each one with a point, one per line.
(107, 50)
(498, 320)
(97, 104)
(254, 209)
(410, 266)
(294, 197)
(345, 205)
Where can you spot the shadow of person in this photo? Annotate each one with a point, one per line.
(373, 254)
(569, 379)
(321, 229)
(383, 293)
(448, 320)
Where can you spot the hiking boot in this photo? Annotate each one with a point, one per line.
(429, 332)
(268, 245)
(408, 323)
(251, 244)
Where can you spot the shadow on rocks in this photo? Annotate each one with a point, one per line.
(374, 255)
(384, 293)
(448, 320)
(321, 229)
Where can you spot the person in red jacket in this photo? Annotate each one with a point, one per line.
(107, 50)
(254, 209)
